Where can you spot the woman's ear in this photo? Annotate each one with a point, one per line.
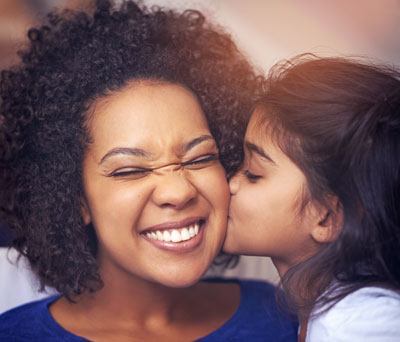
(328, 223)
(85, 212)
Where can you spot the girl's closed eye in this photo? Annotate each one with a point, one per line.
(251, 176)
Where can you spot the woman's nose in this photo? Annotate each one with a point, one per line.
(174, 190)
(234, 184)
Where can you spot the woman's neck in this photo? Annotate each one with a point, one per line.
(144, 308)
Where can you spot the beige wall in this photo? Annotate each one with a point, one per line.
(269, 30)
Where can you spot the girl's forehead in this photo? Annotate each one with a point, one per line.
(260, 128)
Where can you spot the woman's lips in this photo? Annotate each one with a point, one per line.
(177, 236)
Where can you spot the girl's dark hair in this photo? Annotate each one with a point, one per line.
(71, 61)
(339, 120)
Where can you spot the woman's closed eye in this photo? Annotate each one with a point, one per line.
(250, 176)
(201, 162)
(135, 172)
(130, 172)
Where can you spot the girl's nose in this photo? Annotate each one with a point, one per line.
(234, 184)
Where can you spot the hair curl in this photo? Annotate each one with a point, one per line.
(72, 60)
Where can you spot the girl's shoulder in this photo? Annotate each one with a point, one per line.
(368, 314)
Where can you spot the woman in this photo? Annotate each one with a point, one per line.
(114, 130)
(319, 193)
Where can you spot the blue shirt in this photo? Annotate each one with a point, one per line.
(6, 235)
(256, 319)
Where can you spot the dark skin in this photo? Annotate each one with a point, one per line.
(178, 315)
(152, 163)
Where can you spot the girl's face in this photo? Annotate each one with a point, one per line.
(155, 191)
(264, 214)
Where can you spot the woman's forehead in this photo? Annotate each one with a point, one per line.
(147, 116)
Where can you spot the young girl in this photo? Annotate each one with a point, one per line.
(319, 193)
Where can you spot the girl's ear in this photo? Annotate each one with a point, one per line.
(328, 223)
(85, 212)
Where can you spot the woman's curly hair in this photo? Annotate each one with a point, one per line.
(71, 61)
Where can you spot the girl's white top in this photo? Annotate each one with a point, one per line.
(370, 314)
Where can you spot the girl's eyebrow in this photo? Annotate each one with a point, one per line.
(257, 149)
(138, 152)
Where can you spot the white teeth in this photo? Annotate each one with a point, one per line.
(167, 236)
(185, 234)
(176, 236)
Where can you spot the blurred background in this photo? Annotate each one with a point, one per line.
(17, 16)
(271, 30)
(265, 30)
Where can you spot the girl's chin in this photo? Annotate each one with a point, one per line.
(232, 244)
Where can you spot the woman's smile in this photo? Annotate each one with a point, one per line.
(179, 236)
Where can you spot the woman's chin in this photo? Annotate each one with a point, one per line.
(181, 281)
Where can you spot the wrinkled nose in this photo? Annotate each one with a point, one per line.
(174, 190)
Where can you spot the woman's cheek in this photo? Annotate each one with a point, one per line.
(213, 185)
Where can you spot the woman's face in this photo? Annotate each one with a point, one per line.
(155, 191)
(266, 195)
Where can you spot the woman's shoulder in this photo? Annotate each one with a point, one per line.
(31, 322)
(31, 310)
(258, 317)
(260, 285)
(370, 313)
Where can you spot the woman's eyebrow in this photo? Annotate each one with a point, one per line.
(196, 142)
(136, 152)
(257, 149)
